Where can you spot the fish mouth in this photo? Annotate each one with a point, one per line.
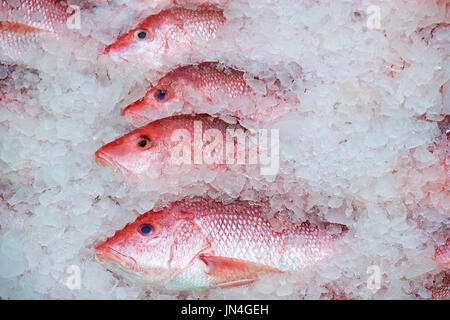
(108, 254)
(103, 158)
(108, 49)
(113, 53)
(131, 115)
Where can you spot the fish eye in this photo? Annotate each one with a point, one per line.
(141, 34)
(145, 229)
(144, 143)
(160, 94)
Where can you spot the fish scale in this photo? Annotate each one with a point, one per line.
(208, 77)
(214, 244)
(442, 254)
(201, 23)
(24, 23)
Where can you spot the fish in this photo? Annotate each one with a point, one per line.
(170, 32)
(200, 243)
(167, 3)
(24, 24)
(185, 88)
(173, 141)
(442, 258)
(441, 286)
(442, 254)
(442, 293)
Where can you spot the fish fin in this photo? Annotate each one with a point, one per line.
(186, 236)
(234, 272)
(19, 28)
(236, 283)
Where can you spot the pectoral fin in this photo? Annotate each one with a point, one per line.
(230, 272)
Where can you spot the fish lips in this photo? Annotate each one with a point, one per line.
(103, 158)
(114, 51)
(128, 267)
(131, 114)
(107, 254)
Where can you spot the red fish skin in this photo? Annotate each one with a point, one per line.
(170, 32)
(211, 83)
(22, 27)
(127, 157)
(442, 258)
(231, 243)
(442, 254)
(442, 291)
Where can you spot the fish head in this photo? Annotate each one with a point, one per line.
(137, 152)
(166, 97)
(142, 247)
(157, 246)
(142, 43)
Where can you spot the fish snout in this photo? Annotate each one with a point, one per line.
(113, 47)
(103, 158)
(107, 50)
(101, 251)
(116, 51)
(112, 51)
(105, 253)
(132, 113)
(108, 158)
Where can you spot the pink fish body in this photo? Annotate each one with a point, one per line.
(441, 293)
(23, 24)
(442, 254)
(184, 89)
(441, 290)
(442, 257)
(200, 244)
(173, 141)
(170, 32)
